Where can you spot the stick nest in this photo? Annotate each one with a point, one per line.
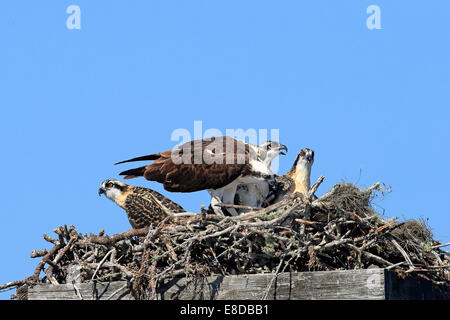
(339, 230)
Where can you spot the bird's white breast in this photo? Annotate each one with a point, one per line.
(261, 167)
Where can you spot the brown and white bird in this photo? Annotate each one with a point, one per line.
(296, 181)
(255, 195)
(143, 206)
(217, 164)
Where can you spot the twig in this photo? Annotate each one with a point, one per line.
(77, 291)
(118, 290)
(10, 285)
(275, 276)
(374, 186)
(44, 261)
(309, 222)
(38, 253)
(387, 225)
(402, 251)
(106, 240)
(63, 251)
(314, 187)
(101, 263)
(395, 265)
(237, 206)
(441, 245)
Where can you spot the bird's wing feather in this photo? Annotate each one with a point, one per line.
(280, 188)
(192, 176)
(170, 205)
(142, 212)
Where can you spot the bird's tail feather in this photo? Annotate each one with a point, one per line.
(147, 157)
(133, 173)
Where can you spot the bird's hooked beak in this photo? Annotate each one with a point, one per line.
(100, 191)
(283, 147)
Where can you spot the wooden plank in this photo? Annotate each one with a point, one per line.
(345, 284)
(413, 288)
(367, 284)
(87, 291)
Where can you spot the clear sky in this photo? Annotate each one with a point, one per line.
(373, 104)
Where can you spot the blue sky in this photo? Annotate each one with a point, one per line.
(373, 104)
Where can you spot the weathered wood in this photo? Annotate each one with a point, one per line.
(296, 285)
(87, 291)
(414, 289)
(367, 284)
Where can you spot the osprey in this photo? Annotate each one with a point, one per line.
(297, 180)
(143, 206)
(255, 195)
(217, 164)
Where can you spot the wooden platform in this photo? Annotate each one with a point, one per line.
(367, 284)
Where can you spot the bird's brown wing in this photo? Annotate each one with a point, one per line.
(199, 165)
(280, 188)
(150, 195)
(142, 212)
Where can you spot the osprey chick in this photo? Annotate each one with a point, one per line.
(297, 180)
(143, 206)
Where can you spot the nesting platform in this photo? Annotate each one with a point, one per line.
(364, 284)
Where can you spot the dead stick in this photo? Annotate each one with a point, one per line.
(41, 264)
(441, 245)
(376, 185)
(117, 291)
(115, 238)
(77, 291)
(314, 187)
(309, 222)
(64, 250)
(400, 249)
(11, 284)
(38, 253)
(368, 254)
(237, 206)
(101, 263)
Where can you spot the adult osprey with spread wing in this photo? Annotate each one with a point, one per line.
(217, 164)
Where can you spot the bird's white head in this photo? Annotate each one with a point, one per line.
(303, 162)
(305, 158)
(269, 150)
(112, 189)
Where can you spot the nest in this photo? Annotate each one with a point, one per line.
(338, 231)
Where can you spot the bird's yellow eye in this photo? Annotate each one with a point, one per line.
(109, 185)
